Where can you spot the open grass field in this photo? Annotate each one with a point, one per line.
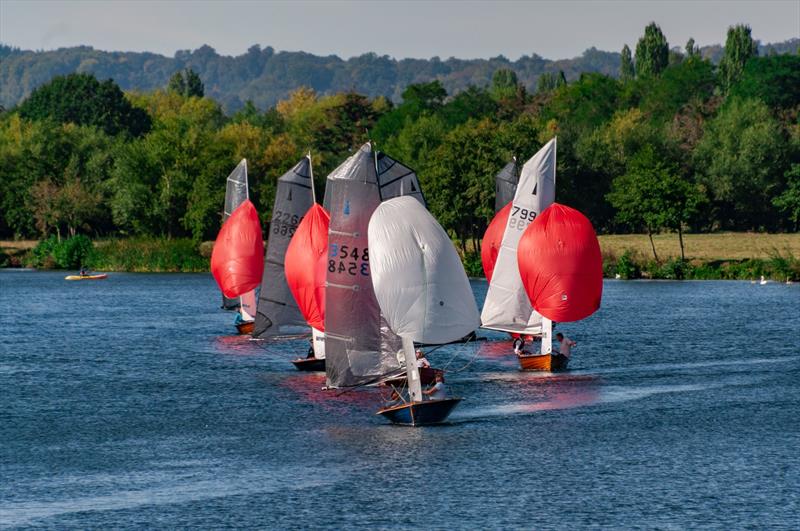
(718, 246)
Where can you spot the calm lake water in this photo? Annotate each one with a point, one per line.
(127, 403)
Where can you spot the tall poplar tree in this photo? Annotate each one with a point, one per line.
(739, 48)
(626, 70)
(652, 52)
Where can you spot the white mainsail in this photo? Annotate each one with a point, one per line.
(419, 280)
(507, 306)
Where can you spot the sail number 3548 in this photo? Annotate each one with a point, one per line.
(344, 259)
(520, 218)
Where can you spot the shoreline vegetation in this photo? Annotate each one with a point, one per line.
(719, 256)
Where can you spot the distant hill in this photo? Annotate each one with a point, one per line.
(266, 76)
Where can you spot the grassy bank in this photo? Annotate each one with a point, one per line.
(742, 256)
(151, 255)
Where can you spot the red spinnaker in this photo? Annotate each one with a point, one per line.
(237, 260)
(306, 265)
(492, 239)
(560, 264)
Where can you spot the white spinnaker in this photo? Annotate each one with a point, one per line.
(419, 281)
(507, 306)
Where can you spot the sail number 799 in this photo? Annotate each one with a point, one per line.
(520, 218)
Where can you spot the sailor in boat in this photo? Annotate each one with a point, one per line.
(519, 347)
(310, 355)
(395, 400)
(436, 391)
(238, 319)
(565, 345)
(422, 361)
(84, 272)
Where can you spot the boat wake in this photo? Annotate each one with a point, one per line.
(166, 492)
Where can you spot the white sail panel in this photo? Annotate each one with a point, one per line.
(418, 278)
(507, 306)
(248, 302)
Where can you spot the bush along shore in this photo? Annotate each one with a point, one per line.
(173, 255)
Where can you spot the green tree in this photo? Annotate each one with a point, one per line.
(550, 81)
(504, 84)
(186, 83)
(774, 80)
(789, 201)
(653, 195)
(82, 99)
(626, 70)
(691, 50)
(741, 160)
(652, 52)
(739, 48)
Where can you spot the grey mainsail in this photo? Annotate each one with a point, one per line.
(277, 310)
(505, 185)
(235, 194)
(397, 179)
(359, 346)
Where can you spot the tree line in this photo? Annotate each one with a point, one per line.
(674, 143)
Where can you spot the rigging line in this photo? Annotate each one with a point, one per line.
(474, 357)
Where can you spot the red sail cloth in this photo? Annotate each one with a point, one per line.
(492, 239)
(560, 264)
(237, 260)
(306, 265)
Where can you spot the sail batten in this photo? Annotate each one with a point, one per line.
(507, 306)
(278, 313)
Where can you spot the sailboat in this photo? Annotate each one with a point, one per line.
(238, 256)
(423, 291)
(562, 271)
(277, 312)
(507, 307)
(306, 266)
(236, 193)
(360, 348)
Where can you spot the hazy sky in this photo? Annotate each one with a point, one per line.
(464, 29)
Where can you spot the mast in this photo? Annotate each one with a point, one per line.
(311, 171)
(412, 370)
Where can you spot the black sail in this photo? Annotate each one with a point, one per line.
(277, 312)
(506, 185)
(397, 179)
(359, 347)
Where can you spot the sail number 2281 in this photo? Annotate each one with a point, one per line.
(520, 218)
(346, 259)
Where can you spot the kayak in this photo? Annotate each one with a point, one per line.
(86, 277)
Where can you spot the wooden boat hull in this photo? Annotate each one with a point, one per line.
(427, 376)
(246, 327)
(543, 362)
(309, 364)
(86, 277)
(420, 413)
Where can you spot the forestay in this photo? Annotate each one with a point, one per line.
(419, 280)
(507, 306)
(359, 347)
(236, 192)
(277, 310)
